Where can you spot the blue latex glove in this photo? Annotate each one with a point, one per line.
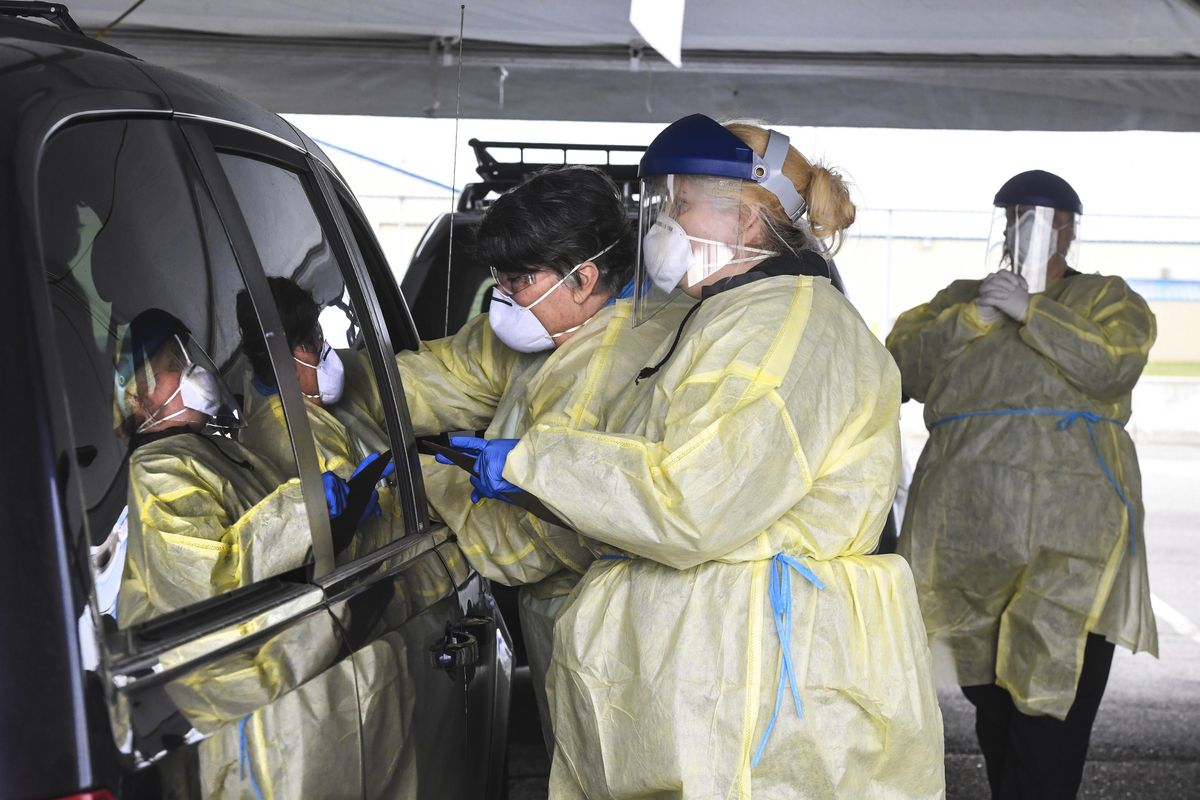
(490, 455)
(388, 471)
(337, 491)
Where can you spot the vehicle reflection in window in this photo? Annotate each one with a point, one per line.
(208, 514)
(280, 715)
(342, 405)
(143, 295)
(323, 331)
(383, 622)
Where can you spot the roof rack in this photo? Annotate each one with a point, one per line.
(499, 176)
(55, 13)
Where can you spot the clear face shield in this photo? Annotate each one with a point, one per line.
(176, 385)
(1035, 242)
(690, 227)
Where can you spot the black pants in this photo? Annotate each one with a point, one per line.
(1040, 757)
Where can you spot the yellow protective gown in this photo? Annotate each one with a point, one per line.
(338, 451)
(295, 743)
(288, 717)
(360, 408)
(772, 428)
(574, 386)
(201, 523)
(266, 432)
(1019, 544)
(456, 383)
(282, 719)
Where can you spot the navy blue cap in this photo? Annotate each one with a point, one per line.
(698, 145)
(1039, 188)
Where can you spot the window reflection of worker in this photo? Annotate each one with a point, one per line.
(321, 375)
(206, 514)
(1024, 520)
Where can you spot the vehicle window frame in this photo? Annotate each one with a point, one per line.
(246, 143)
(130, 661)
(397, 315)
(204, 153)
(372, 268)
(124, 649)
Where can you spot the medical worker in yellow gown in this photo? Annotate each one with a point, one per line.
(1025, 523)
(734, 638)
(562, 251)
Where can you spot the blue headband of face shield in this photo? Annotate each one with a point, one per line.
(699, 145)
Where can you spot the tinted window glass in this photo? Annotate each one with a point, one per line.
(345, 409)
(397, 317)
(144, 289)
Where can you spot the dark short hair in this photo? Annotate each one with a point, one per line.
(556, 219)
(299, 314)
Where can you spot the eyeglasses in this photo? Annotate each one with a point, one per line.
(511, 283)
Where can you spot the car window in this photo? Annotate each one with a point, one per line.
(396, 315)
(144, 289)
(345, 408)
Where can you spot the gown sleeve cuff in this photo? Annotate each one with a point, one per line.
(970, 317)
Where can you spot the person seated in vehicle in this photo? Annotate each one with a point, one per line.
(346, 424)
(206, 513)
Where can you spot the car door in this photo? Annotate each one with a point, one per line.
(221, 674)
(391, 593)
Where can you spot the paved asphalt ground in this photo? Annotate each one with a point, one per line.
(1146, 743)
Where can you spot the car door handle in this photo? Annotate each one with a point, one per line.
(459, 647)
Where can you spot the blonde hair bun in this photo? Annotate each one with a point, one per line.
(830, 211)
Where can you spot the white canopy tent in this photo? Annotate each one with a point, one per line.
(972, 64)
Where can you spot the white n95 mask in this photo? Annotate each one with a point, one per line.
(517, 326)
(331, 375)
(200, 390)
(669, 255)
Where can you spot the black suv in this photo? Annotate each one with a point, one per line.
(437, 312)
(378, 672)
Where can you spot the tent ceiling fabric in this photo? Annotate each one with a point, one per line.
(1025, 64)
